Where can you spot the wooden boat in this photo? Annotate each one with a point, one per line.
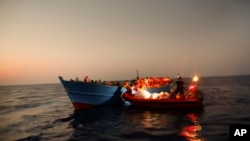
(85, 95)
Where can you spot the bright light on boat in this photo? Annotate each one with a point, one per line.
(154, 96)
(146, 94)
(195, 78)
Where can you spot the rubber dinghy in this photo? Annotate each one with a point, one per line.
(145, 97)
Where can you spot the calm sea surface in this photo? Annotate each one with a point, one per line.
(44, 112)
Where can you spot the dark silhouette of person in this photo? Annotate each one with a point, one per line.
(179, 86)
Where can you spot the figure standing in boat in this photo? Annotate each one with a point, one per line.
(179, 91)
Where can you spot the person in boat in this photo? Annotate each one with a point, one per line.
(127, 86)
(117, 83)
(179, 86)
(86, 79)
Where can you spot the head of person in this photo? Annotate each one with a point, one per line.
(178, 76)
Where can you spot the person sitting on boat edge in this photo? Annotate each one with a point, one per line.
(179, 86)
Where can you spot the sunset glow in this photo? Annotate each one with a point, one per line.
(110, 39)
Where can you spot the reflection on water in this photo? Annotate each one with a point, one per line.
(169, 124)
(132, 123)
(191, 132)
(152, 120)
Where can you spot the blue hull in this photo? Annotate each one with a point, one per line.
(84, 95)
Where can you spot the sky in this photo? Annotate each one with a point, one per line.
(110, 39)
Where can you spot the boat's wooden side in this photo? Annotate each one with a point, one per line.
(85, 95)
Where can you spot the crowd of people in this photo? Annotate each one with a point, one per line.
(141, 83)
(148, 82)
(87, 80)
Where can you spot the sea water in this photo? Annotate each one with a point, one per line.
(44, 112)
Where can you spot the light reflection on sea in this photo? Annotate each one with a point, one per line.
(44, 112)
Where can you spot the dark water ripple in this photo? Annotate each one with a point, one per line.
(44, 112)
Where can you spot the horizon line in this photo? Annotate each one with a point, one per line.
(48, 83)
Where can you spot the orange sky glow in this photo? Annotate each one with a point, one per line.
(110, 39)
